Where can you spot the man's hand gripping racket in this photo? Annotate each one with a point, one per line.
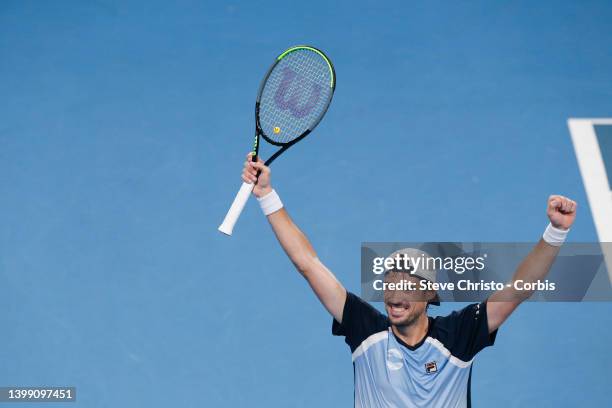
(292, 99)
(257, 174)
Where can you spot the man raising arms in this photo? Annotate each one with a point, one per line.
(406, 358)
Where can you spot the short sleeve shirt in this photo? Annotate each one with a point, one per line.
(436, 372)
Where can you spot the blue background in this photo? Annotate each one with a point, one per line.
(122, 134)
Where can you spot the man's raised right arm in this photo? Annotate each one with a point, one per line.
(328, 289)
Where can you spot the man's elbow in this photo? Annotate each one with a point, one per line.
(519, 296)
(305, 264)
(511, 295)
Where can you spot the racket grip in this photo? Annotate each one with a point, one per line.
(227, 226)
(254, 159)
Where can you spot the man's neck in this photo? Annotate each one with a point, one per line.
(413, 333)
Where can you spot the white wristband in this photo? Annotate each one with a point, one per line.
(270, 203)
(554, 236)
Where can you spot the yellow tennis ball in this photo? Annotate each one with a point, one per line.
(276, 129)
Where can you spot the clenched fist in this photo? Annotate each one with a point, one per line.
(561, 211)
(257, 173)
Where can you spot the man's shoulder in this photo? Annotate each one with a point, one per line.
(360, 320)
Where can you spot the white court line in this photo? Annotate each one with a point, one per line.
(595, 178)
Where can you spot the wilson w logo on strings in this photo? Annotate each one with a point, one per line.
(293, 98)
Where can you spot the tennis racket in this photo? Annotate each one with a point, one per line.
(292, 99)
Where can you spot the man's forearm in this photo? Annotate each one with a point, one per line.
(534, 267)
(293, 240)
(324, 284)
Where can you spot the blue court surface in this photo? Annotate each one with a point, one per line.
(123, 130)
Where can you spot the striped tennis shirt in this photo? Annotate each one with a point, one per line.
(436, 372)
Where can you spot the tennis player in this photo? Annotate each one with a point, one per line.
(406, 358)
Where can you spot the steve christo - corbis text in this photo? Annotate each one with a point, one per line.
(463, 285)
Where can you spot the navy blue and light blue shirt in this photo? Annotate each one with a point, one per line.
(436, 372)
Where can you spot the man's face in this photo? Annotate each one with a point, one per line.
(404, 306)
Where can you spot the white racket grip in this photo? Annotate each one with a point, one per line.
(227, 226)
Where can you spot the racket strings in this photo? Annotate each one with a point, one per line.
(295, 95)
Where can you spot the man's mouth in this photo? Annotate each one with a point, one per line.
(397, 311)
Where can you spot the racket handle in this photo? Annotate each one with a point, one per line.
(254, 159)
(227, 226)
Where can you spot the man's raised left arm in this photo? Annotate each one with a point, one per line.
(561, 211)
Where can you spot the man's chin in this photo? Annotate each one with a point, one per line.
(406, 320)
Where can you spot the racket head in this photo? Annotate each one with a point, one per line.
(294, 95)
